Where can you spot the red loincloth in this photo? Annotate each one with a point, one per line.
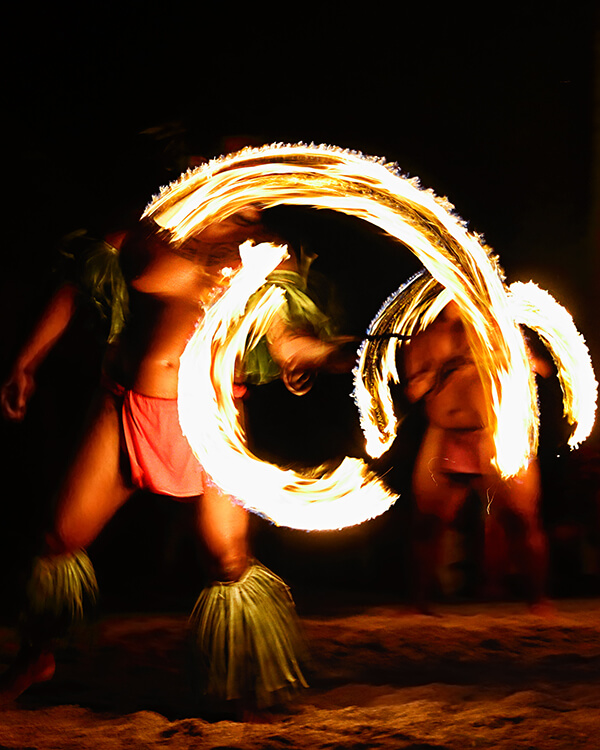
(160, 456)
(464, 452)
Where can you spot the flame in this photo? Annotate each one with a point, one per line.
(332, 497)
(406, 311)
(458, 267)
(511, 391)
(537, 309)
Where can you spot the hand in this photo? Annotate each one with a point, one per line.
(15, 394)
(298, 382)
(310, 354)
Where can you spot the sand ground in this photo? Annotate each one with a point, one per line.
(477, 676)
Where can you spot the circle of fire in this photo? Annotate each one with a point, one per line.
(457, 265)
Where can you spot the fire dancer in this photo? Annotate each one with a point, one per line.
(454, 459)
(246, 628)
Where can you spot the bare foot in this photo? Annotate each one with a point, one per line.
(27, 670)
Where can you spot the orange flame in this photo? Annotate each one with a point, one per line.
(369, 189)
(332, 497)
(537, 309)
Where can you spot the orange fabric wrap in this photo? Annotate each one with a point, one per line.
(160, 456)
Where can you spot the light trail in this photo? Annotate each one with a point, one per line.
(332, 496)
(458, 266)
(538, 310)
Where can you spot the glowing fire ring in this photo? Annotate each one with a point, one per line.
(369, 189)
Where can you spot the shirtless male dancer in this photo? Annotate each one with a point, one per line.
(133, 440)
(454, 460)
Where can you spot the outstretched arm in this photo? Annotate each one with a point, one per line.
(20, 384)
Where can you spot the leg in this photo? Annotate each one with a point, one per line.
(94, 488)
(223, 526)
(495, 558)
(517, 502)
(438, 496)
(248, 642)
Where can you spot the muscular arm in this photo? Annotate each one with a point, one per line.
(20, 384)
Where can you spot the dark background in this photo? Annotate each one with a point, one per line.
(494, 108)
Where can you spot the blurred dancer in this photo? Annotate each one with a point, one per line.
(247, 635)
(454, 460)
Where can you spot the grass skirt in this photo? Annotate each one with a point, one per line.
(60, 591)
(248, 640)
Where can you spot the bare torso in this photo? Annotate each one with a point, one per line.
(441, 370)
(168, 288)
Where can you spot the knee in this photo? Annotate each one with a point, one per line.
(62, 540)
(229, 566)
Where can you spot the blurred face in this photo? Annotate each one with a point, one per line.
(217, 245)
(237, 228)
(440, 369)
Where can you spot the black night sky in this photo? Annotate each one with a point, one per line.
(493, 107)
